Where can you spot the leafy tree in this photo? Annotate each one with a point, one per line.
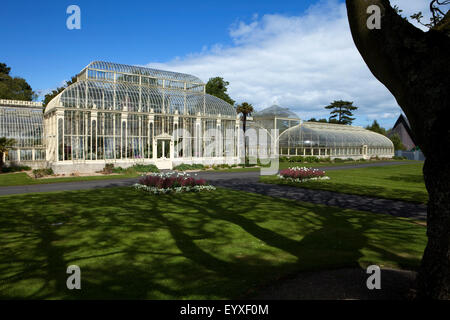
(319, 120)
(333, 121)
(4, 69)
(218, 88)
(14, 88)
(5, 145)
(48, 97)
(398, 144)
(342, 111)
(375, 127)
(414, 66)
(246, 110)
(323, 120)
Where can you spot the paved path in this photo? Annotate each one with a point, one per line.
(248, 181)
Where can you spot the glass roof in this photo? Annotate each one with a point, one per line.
(101, 95)
(123, 68)
(313, 134)
(275, 111)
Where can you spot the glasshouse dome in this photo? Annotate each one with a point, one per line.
(275, 118)
(125, 114)
(334, 140)
(275, 111)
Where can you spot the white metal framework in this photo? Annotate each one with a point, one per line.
(334, 140)
(22, 121)
(120, 113)
(124, 114)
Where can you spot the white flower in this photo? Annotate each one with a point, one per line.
(155, 190)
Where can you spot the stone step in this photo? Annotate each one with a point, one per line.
(164, 164)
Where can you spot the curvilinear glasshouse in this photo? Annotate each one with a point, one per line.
(128, 115)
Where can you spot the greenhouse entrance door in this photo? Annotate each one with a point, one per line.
(364, 151)
(163, 149)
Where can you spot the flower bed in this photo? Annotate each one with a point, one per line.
(160, 183)
(302, 174)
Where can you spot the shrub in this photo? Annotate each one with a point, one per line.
(184, 167)
(108, 169)
(221, 166)
(312, 159)
(145, 168)
(296, 159)
(137, 168)
(14, 168)
(118, 170)
(39, 173)
(247, 165)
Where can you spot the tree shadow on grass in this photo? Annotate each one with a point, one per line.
(367, 190)
(131, 245)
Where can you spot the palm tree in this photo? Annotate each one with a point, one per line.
(5, 145)
(245, 109)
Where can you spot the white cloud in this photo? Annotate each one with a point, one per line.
(301, 62)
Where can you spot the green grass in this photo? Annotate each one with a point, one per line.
(218, 245)
(21, 178)
(285, 165)
(399, 182)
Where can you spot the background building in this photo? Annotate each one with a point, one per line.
(296, 138)
(403, 129)
(335, 141)
(23, 122)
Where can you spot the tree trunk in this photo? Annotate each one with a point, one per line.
(414, 66)
(434, 276)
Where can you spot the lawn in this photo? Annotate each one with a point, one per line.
(285, 165)
(401, 182)
(21, 178)
(216, 245)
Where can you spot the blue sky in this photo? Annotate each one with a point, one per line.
(268, 50)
